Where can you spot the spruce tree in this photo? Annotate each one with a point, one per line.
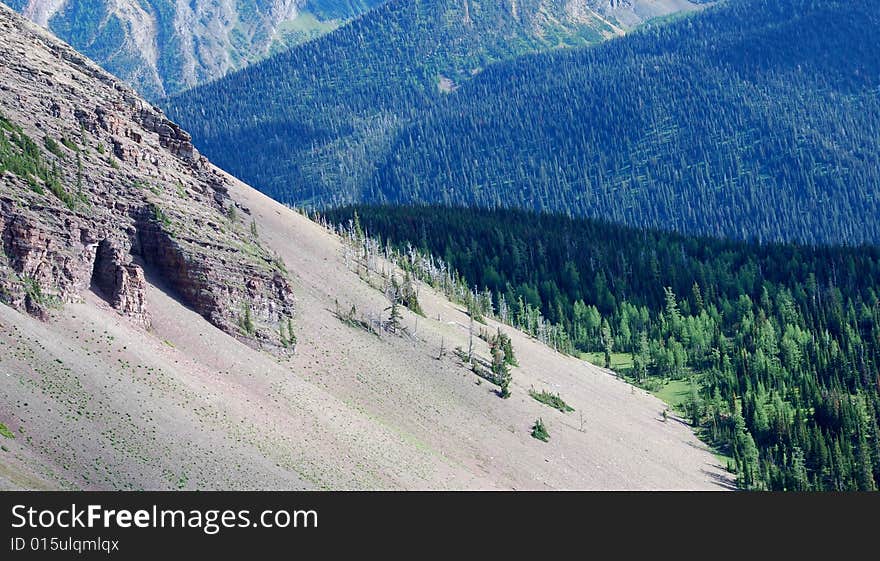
(500, 370)
(607, 342)
(394, 324)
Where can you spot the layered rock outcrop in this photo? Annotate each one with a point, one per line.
(100, 191)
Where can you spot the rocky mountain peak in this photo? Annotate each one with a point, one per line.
(100, 191)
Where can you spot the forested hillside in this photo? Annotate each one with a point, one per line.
(757, 119)
(777, 347)
(753, 119)
(310, 124)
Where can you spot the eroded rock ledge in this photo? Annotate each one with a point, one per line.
(113, 195)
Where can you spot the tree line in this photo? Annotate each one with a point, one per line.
(781, 342)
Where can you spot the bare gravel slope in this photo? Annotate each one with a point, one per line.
(97, 402)
(93, 399)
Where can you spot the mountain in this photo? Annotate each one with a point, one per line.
(752, 119)
(164, 326)
(755, 119)
(98, 185)
(162, 47)
(310, 124)
(772, 350)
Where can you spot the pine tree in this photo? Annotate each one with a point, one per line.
(357, 230)
(507, 348)
(698, 298)
(800, 479)
(607, 342)
(500, 370)
(409, 296)
(791, 333)
(864, 477)
(748, 465)
(470, 353)
(394, 324)
(642, 358)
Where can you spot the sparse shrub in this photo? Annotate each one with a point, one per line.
(539, 431)
(552, 400)
(246, 320)
(34, 292)
(53, 147)
(352, 319)
(70, 144)
(58, 190)
(20, 155)
(278, 264)
(159, 215)
(286, 334)
(4, 431)
(79, 176)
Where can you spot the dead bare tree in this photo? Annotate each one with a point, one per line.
(471, 339)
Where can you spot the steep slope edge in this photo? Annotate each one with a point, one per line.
(96, 184)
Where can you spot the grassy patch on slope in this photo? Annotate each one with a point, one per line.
(619, 361)
(551, 400)
(4, 431)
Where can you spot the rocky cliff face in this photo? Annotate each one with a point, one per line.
(164, 46)
(100, 191)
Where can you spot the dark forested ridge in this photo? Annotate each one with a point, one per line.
(758, 119)
(753, 119)
(310, 124)
(780, 343)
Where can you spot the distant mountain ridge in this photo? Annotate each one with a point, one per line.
(753, 119)
(309, 124)
(162, 46)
